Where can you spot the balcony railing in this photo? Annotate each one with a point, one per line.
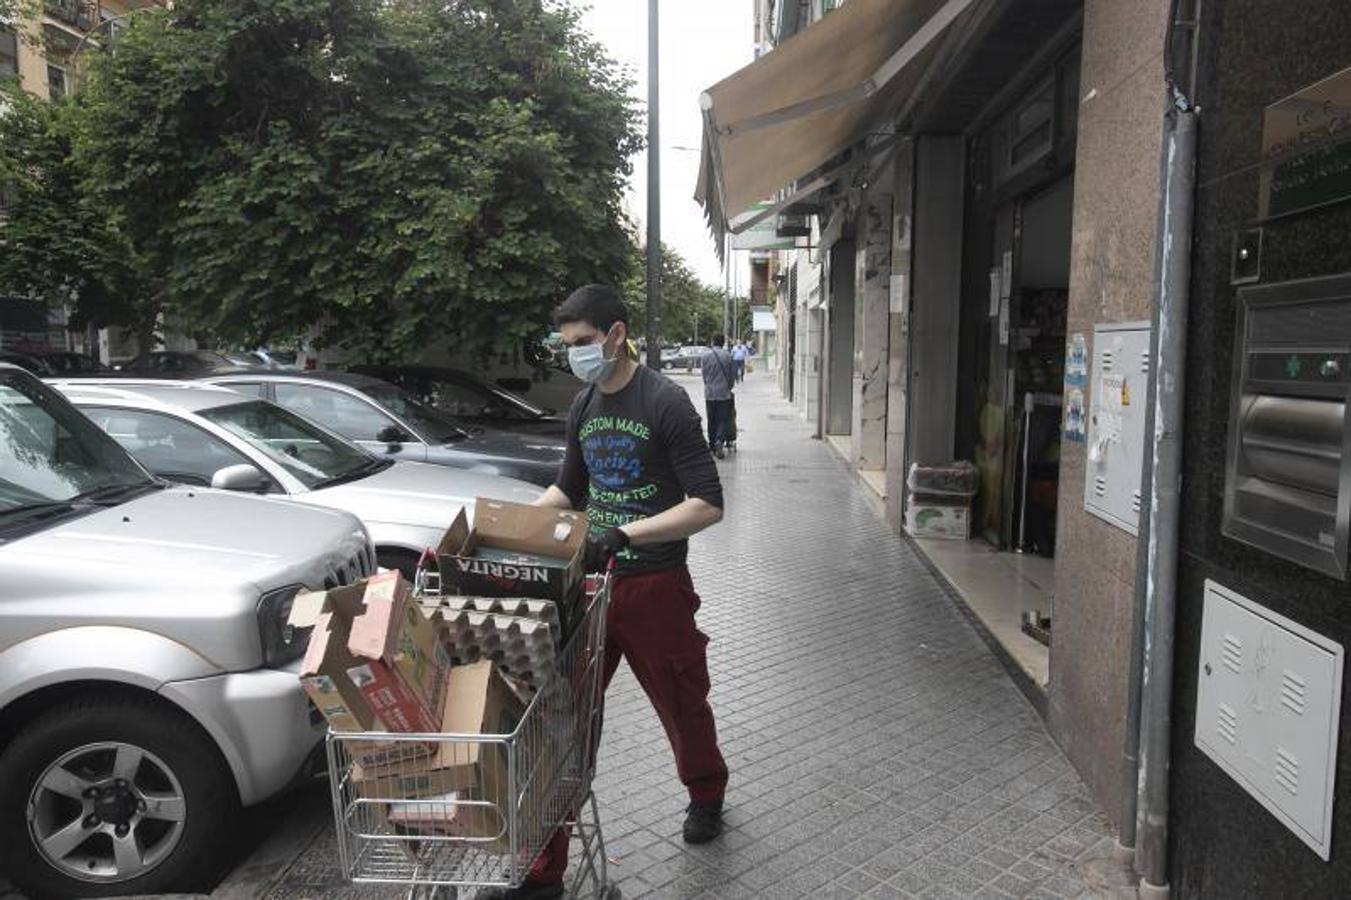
(81, 14)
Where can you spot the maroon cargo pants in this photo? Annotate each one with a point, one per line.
(651, 624)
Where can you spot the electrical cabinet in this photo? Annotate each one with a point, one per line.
(1268, 699)
(1119, 393)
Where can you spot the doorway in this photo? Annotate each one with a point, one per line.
(1018, 428)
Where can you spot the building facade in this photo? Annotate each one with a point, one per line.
(992, 203)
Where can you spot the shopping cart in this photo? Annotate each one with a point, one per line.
(437, 843)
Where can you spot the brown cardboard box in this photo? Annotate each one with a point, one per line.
(323, 672)
(455, 815)
(527, 531)
(368, 665)
(407, 669)
(478, 701)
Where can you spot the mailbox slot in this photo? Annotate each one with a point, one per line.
(1288, 477)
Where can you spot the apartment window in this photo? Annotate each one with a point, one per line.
(9, 52)
(56, 82)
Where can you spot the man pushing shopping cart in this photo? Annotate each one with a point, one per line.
(637, 462)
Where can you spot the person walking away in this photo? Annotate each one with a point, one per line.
(739, 356)
(637, 462)
(719, 373)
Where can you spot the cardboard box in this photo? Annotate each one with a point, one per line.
(546, 547)
(454, 815)
(405, 678)
(369, 666)
(950, 521)
(478, 701)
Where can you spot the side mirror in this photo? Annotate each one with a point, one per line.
(392, 434)
(243, 477)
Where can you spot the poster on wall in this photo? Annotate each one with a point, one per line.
(1075, 429)
(1076, 360)
(1004, 322)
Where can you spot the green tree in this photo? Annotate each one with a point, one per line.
(692, 310)
(56, 245)
(392, 173)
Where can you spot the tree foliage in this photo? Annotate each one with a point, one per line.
(56, 245)
(692, 310)
(392, 173)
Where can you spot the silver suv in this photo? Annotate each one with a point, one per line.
(147, 674)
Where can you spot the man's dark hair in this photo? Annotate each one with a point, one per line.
(598, 305)
(717, 341)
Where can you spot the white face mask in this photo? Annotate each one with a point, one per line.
(589, 363)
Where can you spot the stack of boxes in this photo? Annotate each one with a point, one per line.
(939, 501)
(382, 660)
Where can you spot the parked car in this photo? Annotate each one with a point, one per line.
(148, 681)
(394, 424)
(686, 358)
(72, 365)
(184, 364)
(469, 398)
(195, 433)
(25, 362)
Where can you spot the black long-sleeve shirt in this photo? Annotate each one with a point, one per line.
(634, 454)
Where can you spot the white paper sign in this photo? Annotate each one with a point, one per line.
(995, 292)
(1004, 321)
(898, 293)
(1006, 276)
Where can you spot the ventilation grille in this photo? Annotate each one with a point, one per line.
(1287, 770)
(1226, 724)
(1293, 692)
(1231, 653)
(1100, 486)
(1135, 502)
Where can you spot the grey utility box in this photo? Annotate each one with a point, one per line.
(1288, 477)
(1116, 426)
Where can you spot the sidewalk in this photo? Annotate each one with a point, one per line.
(876, 746)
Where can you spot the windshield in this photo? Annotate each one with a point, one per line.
(434, 426)
(50, 454)
(314, 456)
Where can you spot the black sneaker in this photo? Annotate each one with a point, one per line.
(703, 822)
(719, 452)
(524, 892)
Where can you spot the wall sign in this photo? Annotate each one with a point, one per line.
(1306, 145)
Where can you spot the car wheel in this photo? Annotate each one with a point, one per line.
(111, 794)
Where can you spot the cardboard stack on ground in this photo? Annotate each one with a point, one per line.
(939, 500)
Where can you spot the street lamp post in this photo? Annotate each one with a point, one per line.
(653, 194)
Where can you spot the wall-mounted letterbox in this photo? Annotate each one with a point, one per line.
(1288, 481)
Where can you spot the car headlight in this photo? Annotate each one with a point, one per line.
(282, 642)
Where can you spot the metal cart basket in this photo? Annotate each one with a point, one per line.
(398, 825)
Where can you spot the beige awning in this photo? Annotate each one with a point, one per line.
(804, 103)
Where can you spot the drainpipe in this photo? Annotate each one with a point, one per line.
(1179, 153)
(1130, 750)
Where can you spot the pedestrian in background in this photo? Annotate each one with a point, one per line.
(740, 353)
(719, 373)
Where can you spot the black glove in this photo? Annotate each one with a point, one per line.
(603, 546)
